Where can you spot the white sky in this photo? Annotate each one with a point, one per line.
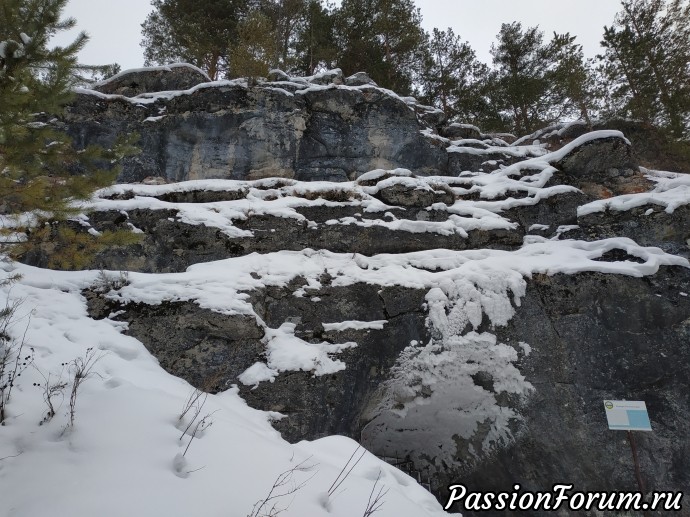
(115, 26)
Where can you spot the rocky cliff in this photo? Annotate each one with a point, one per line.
(441, 295)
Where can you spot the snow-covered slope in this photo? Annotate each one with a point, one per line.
(125, 453)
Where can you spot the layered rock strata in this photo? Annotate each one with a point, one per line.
(358, 268)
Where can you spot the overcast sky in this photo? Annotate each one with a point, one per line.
(115, 26)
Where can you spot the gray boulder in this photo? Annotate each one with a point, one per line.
(276, 75)
(602, 167)
(598, 155)
(359, 79)
(457, 131)
(131, 83)
(334, 76)
(486, 160)
(400, 194)
(430, 116)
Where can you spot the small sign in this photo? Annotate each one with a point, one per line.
(627, 415)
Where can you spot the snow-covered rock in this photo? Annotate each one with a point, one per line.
(130, 83)
(458, 305)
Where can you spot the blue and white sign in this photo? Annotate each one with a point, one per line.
(627, 415)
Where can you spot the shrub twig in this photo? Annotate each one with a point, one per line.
(193, 406)
(81, 369)
(375, 501)
(195, 403)
(342, 475)
(192, 403)
(13, 362)
(201, 425)
(50, 389)
(283, 486)
(11, 456)
(106, 283)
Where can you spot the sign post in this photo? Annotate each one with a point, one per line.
(629, 415)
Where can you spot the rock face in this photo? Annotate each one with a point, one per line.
(352, 131)
(204, 347)
(469, 313)
(603, 168)
(592, 337)
(312, 130)
(648, 225)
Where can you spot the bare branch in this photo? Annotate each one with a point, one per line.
(196, 404)
(82, 369)
(375, 498)
(283, 486)
(13, 360)
(191, 401)
(50, 389)
(201, 426)
(342, 475)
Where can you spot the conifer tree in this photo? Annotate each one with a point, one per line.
(572, 78)
(199, 32)
(645, 61)
(214, 34)
(256, 50)
(487, 109)
(536, 82)
(286, 18)
(451, 75)
(315, 44)
(383, 38)
(522, 60)
(40, 171)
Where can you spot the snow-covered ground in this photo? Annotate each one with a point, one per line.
(125, 454)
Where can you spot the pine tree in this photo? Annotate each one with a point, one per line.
(40, 171)
(286, 18)
(199, 32)
(383, 38)
(451, 75)
(315, 44)
(214, 34)
(572, 78)
(522, 60)
(539, 83)
(645, 62)
(256, 50)
(488, 101)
